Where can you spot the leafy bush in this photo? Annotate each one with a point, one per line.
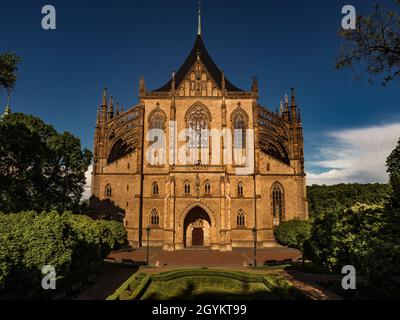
(359, 236)
(113, 234)
(70, 243)
(87, 240)
(30, 241)
(293, 233)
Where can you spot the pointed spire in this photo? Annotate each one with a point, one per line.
(173, 81)
(104, 106)
(111, 111)
(199, 26)
(293, 102)
(7, 109)
(223, 82)
(142, 87)
(254, 86)
(98, 117)
(104, 97)
(117, 109)
(286, 103)
(281, 107)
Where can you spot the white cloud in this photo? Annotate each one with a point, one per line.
(88, 176)
(355, 155)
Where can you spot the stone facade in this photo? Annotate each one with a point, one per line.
(200, 202)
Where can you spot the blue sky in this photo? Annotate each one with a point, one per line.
(284, 43)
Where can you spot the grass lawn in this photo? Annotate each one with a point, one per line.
(209, 284)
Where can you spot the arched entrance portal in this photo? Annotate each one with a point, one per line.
(196, 229)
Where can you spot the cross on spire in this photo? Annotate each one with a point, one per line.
(199, 27)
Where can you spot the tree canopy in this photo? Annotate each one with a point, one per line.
(344, 196)
(375, 43)
(393, 164)
(40, 169)
(8, 70)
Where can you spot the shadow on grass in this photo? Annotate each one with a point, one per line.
(191, 290)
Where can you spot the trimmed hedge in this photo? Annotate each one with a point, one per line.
(70, 243)
(236, 275)
(135, 287)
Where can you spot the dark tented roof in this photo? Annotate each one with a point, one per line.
(215, 72)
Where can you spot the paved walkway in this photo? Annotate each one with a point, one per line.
(205, 258)
(111, 277)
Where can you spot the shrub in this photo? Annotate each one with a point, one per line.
(113, 234)
(30, 241)
(88, 240)
(70, 243)
(294, 234)
(361, 237)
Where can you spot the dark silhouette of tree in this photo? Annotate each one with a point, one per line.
(40, 169)
(8, 70)
(393, 164)
(375, 44)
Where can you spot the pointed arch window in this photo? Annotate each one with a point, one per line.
(240, 189)
(241, 219)
(108, 191)
(239, 126)
(187, 187)
(157, 122)
(155, 190)
(198, 121)
(157, 119)
(207, 187)
(154, 218)
(277, 204)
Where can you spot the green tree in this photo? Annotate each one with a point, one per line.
(375, 44)
(344, 196)
(40, 169)
(8, 70)
(393, 164)
(294, 234)
(20, 167)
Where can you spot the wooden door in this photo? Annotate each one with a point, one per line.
(197, 237)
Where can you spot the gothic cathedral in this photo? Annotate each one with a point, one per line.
(199, 162)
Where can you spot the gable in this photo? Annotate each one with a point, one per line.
(199, 51)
